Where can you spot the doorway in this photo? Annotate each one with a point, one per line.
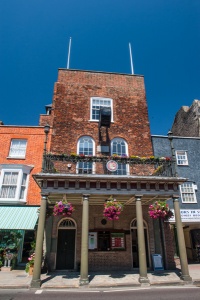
(65, 259)
(134, 239)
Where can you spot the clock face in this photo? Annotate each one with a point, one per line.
(112, 165)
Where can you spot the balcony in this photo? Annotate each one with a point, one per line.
(98, 165)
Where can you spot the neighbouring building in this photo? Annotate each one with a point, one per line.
(186, 151)
(187, 121)
(21, 154)
(100, 148)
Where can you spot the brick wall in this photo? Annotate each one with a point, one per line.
(35, 144)
(104, 260)
(71, 110)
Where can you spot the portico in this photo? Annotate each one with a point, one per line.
(88, 193)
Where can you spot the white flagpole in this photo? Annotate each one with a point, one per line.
(132, 71)
(69, 49)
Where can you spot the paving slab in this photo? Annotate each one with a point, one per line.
(66, 279)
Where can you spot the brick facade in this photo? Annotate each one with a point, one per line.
(71, 119)
(71, 110)
(34, 152)
(102, 260)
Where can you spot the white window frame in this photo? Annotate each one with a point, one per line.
(100, 99)
(126, 153)
(21, 170)
(188, 188)
(181, 158)
(93, 153)
(20, 148)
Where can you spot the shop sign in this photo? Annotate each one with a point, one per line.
(188, 215)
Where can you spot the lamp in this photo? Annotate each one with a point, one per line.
(46, 131)
(170, 137)
(46, 128)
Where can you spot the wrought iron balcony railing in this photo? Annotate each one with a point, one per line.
(80, 164)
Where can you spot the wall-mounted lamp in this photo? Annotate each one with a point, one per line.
(170, 137)
(46, 131)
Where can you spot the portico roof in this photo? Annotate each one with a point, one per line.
(100, 187)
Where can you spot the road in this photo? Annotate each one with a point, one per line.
(148, 293)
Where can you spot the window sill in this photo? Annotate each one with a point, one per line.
(12, 201)
(189, 203)
(12, 157)
(97, 121)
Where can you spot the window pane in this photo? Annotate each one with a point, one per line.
(86, 148)
(18, 148)
(9, 185)
(97, 104)
(22, 192)
(181, 157)
(118, 147)
(24, 179)
(8, 191)
(188, 193)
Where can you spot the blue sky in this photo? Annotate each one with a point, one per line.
(34, 37)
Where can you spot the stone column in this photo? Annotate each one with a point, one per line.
(84, 241)
(36, 280)
(141, 242)
(181, 241)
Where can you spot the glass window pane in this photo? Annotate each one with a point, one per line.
(97, 104)
(18, 148)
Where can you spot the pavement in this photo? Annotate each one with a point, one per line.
(19, 279)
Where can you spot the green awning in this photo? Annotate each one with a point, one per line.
(20, 217)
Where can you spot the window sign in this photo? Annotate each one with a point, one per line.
(157, 262)
(117, 241)
(92, 240)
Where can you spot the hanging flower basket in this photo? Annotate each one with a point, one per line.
(63, 208)
(112, 209)
(160, 210)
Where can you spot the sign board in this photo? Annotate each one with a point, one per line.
(157, 262)
(92, 240)
(117, 241)
(188, 215)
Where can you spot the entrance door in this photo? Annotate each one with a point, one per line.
(65, 249)
(135, 254)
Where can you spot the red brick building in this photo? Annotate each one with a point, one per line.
(101, 148)
(21, 155)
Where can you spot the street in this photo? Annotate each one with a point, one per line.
(159, 293)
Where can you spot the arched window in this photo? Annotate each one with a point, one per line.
(120, 147)
(86, 147)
